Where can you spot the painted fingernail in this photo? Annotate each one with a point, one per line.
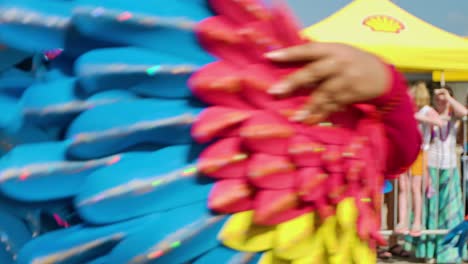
(278, 88)
(300, 115)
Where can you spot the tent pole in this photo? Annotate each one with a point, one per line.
(442, 79)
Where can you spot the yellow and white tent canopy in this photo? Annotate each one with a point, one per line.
(383, 28)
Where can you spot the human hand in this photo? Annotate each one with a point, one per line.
(341, 75)
(435, 118)
(442, 93)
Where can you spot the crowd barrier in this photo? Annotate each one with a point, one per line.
(388, 229)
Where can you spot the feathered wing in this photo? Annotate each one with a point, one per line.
(157, 176)
(458, 236)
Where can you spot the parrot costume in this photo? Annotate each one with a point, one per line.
(457, 237)
(161, 144)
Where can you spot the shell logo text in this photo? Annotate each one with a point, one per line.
(382, 23)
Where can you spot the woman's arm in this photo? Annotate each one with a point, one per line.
(458, 109)
(429, 116)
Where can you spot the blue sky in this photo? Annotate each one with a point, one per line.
(451, 15)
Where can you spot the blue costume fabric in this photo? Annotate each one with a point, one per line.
(85, 105)
(99, 162)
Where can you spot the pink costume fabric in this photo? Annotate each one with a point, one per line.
(277, 168)
(403, 140)
(278, 189)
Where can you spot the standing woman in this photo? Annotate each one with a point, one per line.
(412, 181)
(445, 209)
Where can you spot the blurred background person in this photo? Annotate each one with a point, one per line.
(413, 179)
(445, 209)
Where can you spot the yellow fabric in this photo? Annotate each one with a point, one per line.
(241, 234)
(303, 240)
(417, 168)
(383, 28)
(293, 239)
(270, 258)
(450, 76)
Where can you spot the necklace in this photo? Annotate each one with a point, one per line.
(443, 136)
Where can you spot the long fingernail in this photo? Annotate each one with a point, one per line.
(274, 54)
(314, 119)
(300, 115)
(279, 88)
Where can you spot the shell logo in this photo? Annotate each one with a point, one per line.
(382, 23)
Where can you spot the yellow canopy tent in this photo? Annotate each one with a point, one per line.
(450, 76)
(383, 28)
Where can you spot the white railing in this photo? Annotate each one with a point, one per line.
(464, 173)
